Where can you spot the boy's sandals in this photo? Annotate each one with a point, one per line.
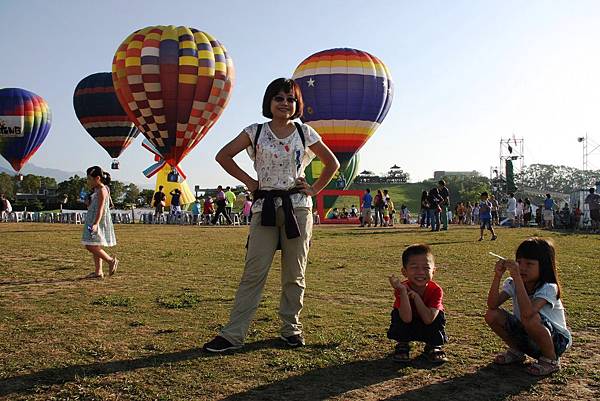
(401, 353)
(94, 275)
(113, 266)
(435, 354)
(544, 367)
(509, 357)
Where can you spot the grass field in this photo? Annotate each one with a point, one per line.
(138, 334)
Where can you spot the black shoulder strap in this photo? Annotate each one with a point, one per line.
(298, 127)
(301, 132)
(258, 130)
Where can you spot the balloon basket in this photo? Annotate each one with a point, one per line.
(173, 176)
(115, 165)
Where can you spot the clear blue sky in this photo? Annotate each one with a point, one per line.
(466, 73)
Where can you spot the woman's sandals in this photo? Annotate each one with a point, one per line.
(544, 367)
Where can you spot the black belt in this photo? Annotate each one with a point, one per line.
(268, 210)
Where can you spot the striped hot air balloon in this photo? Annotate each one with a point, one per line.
(101, 114)
(25, 120)
(347, 93)
(174, 83)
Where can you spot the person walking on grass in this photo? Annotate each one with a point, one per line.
(537, 325)
(593, 201)
(98, 229)
(434, 199)
(175, 203)
(281, 215)
(379, 206)
(365, 212)
(425, 219)
(159, 201)
(485, 216)
(221, 202)
(548, 213)
(230, 199)
(511, 209)
(495, 210)
(445, 195)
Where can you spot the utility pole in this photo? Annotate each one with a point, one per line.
(584, 141)
(587, 143)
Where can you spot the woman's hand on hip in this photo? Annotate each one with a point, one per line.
(304, 187)
(252, 185)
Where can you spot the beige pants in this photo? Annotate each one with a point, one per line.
(262, 244)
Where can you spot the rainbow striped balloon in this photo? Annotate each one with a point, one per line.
(347, 93)
(174, 83)
(25, 121)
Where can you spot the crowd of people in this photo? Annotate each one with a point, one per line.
(207, 210)
(516, 212)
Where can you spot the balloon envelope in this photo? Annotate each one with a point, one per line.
(101, 114)
(25, 120)
(347, 93)
(174, 83)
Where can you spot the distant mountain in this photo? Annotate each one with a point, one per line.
(58, 175)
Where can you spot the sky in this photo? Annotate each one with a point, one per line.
(466, 74)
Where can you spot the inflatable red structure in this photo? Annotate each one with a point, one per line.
(336, 192)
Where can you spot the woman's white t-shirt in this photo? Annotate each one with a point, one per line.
(278, 162)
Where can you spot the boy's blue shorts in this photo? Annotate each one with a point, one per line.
(485, 222)
(515, 330)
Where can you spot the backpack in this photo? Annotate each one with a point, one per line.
(298, 127)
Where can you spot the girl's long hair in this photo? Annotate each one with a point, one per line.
(543, 251)
(96, 171)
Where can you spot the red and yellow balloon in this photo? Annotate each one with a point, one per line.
(174, 83)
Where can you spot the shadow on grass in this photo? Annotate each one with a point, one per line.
(29, 382)
(452, 242)
(321, 384)
(490, 382)
(375, 231)
(46, 281)
(487, 383)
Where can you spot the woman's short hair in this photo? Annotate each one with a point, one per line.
(285, 85)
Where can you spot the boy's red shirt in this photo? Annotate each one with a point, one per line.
(432, 297)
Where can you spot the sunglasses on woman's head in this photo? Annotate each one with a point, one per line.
(281, 99)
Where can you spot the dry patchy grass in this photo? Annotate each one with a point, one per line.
(137, 335)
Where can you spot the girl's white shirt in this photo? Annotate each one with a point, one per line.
(279, 162)
(553, 309)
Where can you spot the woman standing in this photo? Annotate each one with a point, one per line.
(379, 206)
(424, 209)
(281, 214)
(435, 209)
(98, 229)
